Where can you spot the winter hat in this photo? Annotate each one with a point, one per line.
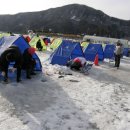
(118, 43)
(77, 60)
(31, 50)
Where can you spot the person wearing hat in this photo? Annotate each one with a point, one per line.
(28, 62)
(11, 54)
(117, 52)
(77, 63)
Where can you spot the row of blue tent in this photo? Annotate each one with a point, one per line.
(69, 50)
(66, 51)
(19, 41)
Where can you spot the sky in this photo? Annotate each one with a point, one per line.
(115, 8)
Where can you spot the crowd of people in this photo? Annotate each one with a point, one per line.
(19, 61)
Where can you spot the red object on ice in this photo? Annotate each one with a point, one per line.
(77, 60)
(31, 50)
(96, 60)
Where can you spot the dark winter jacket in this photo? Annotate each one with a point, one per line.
(39, 45)
(16, 57)
(27, 59)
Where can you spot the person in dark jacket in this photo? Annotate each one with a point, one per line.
(118, 52)
(28, 62)
(39, 45)
(11, 54)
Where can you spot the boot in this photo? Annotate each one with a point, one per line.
(28, 74)
(33, 73)
(5, 79)
(19, 80)
(28, 77)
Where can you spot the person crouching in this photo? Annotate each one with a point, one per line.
(77, 63)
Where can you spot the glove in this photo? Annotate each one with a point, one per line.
(13, 70)
(3, 73)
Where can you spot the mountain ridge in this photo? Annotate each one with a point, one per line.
(68, 19)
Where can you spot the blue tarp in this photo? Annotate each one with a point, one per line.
(66, 51)
(126, 52)
(19, 41)
(92, 50)
(109, 51)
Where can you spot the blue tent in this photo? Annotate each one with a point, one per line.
(126, 52)
(92, 50)
(66, 51)
(109, 51)
(19, 41)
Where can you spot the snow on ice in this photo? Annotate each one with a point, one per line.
(61, 99)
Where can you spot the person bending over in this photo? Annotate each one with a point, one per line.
(77, 63)
(11, 54)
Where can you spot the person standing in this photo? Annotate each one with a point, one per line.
(117, 52)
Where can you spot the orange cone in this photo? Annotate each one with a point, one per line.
(96, 60)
